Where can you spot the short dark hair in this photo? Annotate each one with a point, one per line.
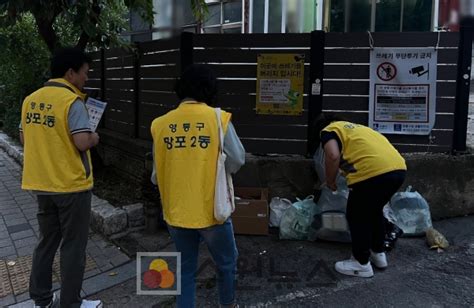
(66, 58)
(319, 123)
(198, 82)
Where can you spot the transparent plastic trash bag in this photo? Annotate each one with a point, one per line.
(331, 223)
(278, 206)
(411, 212)
(296, 221)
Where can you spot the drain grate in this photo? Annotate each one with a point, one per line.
(20, 283)
(20, 266)
(90, 265)
(19, 272)
(15, 274)
(5, 286)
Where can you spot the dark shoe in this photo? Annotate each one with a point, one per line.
(391, 236)
(53, 304)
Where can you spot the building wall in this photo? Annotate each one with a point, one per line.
(297, 16)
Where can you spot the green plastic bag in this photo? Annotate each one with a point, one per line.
(296, 221)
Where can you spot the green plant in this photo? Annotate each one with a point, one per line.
(96, 22)
(31, 30)
(24, 61)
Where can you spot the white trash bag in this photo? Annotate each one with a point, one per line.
(331, 223)
(411, 212)
(278, 206)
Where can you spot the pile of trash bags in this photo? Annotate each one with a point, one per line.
(308, 220)
(406, 214)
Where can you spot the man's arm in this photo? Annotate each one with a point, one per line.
(332, 157)
(85, 141)
(234, 150)
(78, 120)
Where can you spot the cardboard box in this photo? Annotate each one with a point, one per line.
(251, 211)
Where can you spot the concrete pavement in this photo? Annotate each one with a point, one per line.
(274, 273)
(19, 235)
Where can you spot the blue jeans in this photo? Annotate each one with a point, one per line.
(221, 244)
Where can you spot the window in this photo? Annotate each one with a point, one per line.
(163, 18)
(417, 15)
(183, 13)
(231, 30)
(337, 15)
(360, 15)
(258, 19)
(308, 12)
(293, 16)
(232, 12)
(378, 15)
(214, 15)
(274, 16)
(387, 17)
(224, 16)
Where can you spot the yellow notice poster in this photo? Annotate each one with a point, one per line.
(280, 80)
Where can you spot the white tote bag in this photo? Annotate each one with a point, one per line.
(224, 192)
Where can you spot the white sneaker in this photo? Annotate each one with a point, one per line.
(352, 267)
(53, 304)
(91, 304)
(379, 259)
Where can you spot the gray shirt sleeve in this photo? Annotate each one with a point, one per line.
(78, 118)
(233, 148)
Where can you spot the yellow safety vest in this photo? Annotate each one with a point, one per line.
(365, 153)
(185, 152)
(52, 163)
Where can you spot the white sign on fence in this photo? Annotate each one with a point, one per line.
(403, 90)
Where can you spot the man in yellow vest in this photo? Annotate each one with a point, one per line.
(374, 171)
(57, 167)
(185, 150)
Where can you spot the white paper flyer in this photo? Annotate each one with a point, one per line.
(96, 109)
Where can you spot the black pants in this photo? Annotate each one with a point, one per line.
(62, 219)
(365, 212)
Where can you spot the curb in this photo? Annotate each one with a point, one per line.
(105, 218)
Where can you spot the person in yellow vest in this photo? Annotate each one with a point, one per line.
(374, 171)
(185, 151)
(56, 135)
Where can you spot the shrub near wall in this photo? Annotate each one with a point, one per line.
(24, 61)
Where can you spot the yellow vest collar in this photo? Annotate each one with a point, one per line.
(186, 102)
(69, 85)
